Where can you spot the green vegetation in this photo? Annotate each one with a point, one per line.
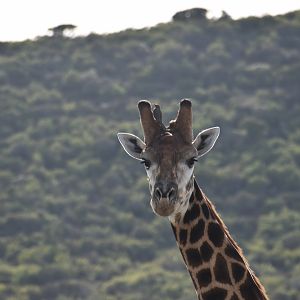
(75, 220)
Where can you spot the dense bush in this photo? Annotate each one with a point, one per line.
(75, 220)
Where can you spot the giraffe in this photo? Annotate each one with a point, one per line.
(215, 262)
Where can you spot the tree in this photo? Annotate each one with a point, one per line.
(60, 29)
(191, 14)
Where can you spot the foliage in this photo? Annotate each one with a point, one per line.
(75, 220)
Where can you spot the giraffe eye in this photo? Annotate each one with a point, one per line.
(147, 163)
(190, 162)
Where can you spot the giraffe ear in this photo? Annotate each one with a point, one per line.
(206, 139)
(131, 144)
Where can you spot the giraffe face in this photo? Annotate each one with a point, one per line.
(169, 163)
(169, 166)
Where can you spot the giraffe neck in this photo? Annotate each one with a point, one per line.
(216, 264)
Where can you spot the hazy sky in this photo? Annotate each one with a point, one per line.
(23, 19)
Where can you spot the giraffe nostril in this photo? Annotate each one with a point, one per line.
(157, 193)
(171, 194)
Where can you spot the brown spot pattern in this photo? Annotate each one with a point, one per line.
(193, 257)
(204, 277)
(215, 294)
(205, 211)
(215, 234)
(206, 251)
(233, 253)
(182, 236)
(198, 194)
(191, 214)
(197, 231)
(221, 270)
(249, 290)
(238, 272)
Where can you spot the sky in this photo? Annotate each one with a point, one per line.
(27, 19)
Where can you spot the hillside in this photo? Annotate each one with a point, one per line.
(75, 219)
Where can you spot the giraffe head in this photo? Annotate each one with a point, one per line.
(169, 154)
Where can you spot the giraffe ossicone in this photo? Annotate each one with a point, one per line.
(214, 261)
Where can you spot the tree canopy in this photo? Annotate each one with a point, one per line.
(61, 29)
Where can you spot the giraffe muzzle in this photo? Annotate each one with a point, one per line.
(163, 208)
(164, 198)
